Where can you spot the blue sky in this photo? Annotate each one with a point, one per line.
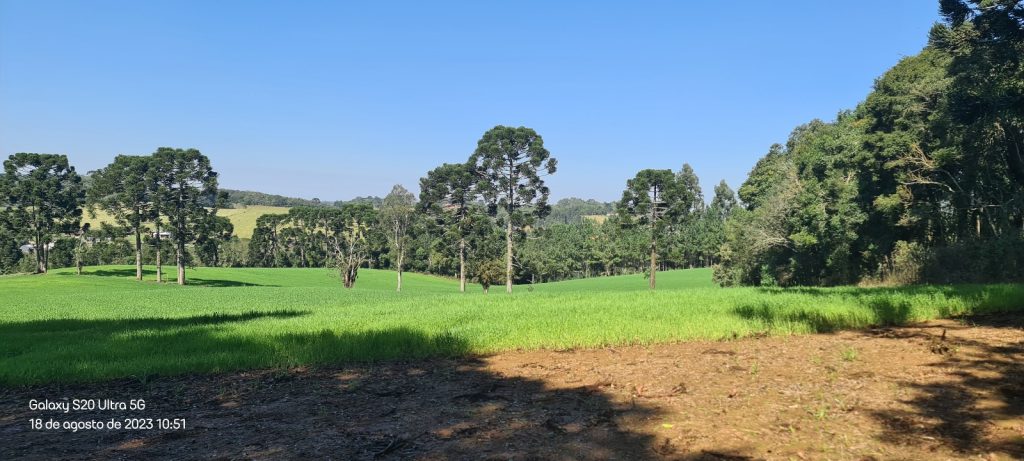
(335, 100)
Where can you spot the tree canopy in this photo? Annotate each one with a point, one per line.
(512, 163)
(43, 195)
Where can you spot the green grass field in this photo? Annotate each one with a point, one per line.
(61, 327)
(244, 219)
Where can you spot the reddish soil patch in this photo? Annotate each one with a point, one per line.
(939, 390)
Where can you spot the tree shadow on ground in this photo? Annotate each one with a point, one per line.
(985, 297)
(65, 329)
(772, 317)
(974, 412)
(887, 305)
(823, 321)
(437, 408)
(169, 277)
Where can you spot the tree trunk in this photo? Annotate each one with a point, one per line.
(508, 255)
(180, 259)
(350, 274)
(40, 248)
(654, 262)
(400, 258)
(462, 265)
(138, 254)
(159, 263)
(78, 254)
(273, 245)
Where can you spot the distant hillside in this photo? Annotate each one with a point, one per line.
(240, 198)
(243, 217)
(250, 198)
(245, 206)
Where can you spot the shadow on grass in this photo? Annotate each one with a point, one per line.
(773, 317)
(984, 297)
(883, 306)
(169, 277)
(437, 407)
(66, 330)
(976, 411)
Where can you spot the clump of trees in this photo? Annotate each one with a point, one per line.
(343, 238)
(447, 196)
(44, 198)
(184, 186)
(655, 199)
(922, 182)
(471, 220)
(123, 189)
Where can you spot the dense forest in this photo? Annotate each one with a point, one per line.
(921, 182)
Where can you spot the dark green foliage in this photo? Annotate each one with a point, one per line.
(311, 236)
(574, 210)
(10, 244)
(123, 189)
(765, 177)
(696, 236)
(511, 163)
(924, 182)
(446, 195)
(43, 195)
(657, 199)
(183, 182)
(63, 252)
(690, 184)
(654, 198)
(239, 198)
(724, 202)
(248, 197)
(265, 248)
(489, 272)
(214, 232)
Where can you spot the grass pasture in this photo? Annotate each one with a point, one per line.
(61, 327)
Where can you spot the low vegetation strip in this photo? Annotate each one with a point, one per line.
(65, 328)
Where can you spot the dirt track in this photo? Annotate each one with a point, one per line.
(892, 393)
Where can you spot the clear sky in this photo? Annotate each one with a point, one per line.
(340, 99)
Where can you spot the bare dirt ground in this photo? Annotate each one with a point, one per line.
(887, 393)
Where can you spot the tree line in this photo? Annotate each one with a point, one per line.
(244, 198)
(921, 182)
(484, 220)
(174, 190)
(487, 220)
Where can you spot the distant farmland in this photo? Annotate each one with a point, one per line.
(243, 218)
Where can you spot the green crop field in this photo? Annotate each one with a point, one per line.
(244, 219)
(61, 327)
